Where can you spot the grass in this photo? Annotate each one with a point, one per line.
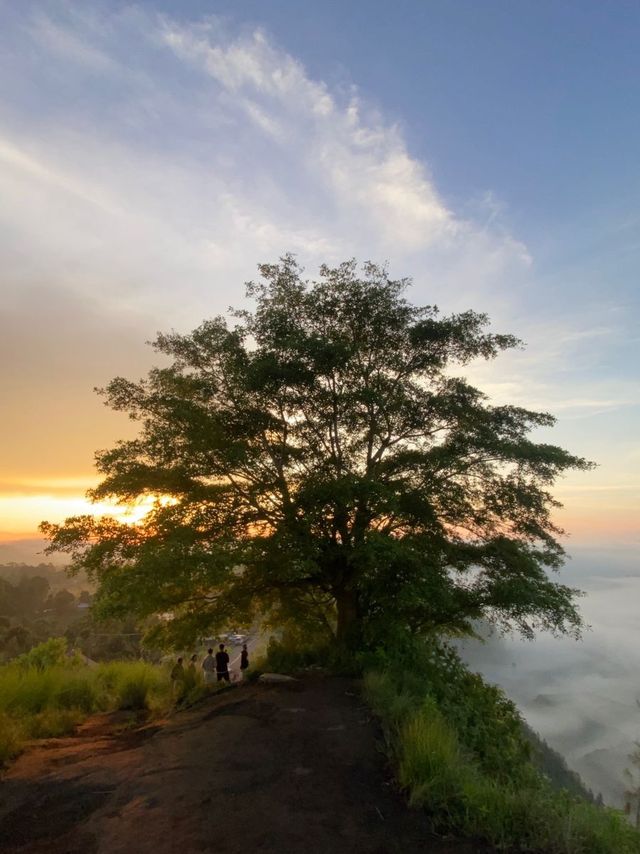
(516, 809)
(44, 696)
(134, 685)
(460, 753)
(293, 655)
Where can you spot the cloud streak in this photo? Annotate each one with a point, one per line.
(147, 164)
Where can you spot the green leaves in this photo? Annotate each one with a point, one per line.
(325, 446)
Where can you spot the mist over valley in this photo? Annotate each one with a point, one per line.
(581, 696)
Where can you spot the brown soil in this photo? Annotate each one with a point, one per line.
(278, 768)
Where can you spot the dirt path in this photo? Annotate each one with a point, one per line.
(279, 769)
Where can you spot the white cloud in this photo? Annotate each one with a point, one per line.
(347, 148)
(147, 165)
(16, 160)
(67, 45)
(153, 179)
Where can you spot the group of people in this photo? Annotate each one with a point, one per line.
(215, 668)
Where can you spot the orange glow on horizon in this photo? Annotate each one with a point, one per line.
(601, 513)
(20, 515)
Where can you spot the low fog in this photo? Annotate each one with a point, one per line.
(581, 696)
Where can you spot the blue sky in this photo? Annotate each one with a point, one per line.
(152, 154)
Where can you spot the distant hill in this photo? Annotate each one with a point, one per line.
(28, 551)
(581, 697)
(555, 767)
(55, 575)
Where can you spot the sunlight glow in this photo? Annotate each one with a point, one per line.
(20, 515)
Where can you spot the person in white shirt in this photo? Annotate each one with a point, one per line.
(209, 667)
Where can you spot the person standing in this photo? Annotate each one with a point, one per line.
(244, 658)
(192, 664)
(209, 667)
(222, 664)
(177, 677)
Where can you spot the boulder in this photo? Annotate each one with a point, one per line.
(276, 677)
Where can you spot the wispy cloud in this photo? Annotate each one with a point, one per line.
(148, 163)
(343, 145)
(69, 46)
(216, 147)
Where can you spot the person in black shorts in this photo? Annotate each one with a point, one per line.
(222, 664)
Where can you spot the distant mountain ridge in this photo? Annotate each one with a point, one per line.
(554, 766)
(28, 551)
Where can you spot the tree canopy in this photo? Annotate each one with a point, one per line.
(318, 458)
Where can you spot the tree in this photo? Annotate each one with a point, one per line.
(319, 458)
(632, 792)
(31, 594)
(24, 599)
(62, 602)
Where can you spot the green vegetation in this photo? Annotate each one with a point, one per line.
(33, 606)
(461, 753)
(293, 651)
(39, 602)
(554, 766)
(45, 693)
(320, 457)
(320, 465)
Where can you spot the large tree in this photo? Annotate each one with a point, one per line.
(319, 458)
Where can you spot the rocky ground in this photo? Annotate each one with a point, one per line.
(259, 768)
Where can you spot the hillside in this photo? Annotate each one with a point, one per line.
(259, 769)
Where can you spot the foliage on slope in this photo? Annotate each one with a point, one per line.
(461, 753)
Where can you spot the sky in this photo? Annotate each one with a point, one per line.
(152, 154)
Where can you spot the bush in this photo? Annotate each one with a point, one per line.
(29, 692)
(133, 685)
(46, 695)
(53, 723)
(460, 753)
(51, 653)
(431, 766)
(291, 654)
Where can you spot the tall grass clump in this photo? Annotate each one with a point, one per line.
(133, 685)
(460, 753)
(11, 737)
(292, 653)
(29, 691)
(46, 693)
(431, 767)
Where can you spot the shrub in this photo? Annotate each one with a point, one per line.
(11, 737)
(76, 690)
(291, 654)
(40, 697)
(51, 653)
(53, 723)
(460, 753)
(431, 766)
(30, 691)
(133, 685)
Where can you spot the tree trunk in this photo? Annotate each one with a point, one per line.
(348, 629)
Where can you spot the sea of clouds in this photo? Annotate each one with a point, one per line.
(581, 696)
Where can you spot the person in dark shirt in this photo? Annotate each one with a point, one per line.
(222, 664)
(244, 658)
